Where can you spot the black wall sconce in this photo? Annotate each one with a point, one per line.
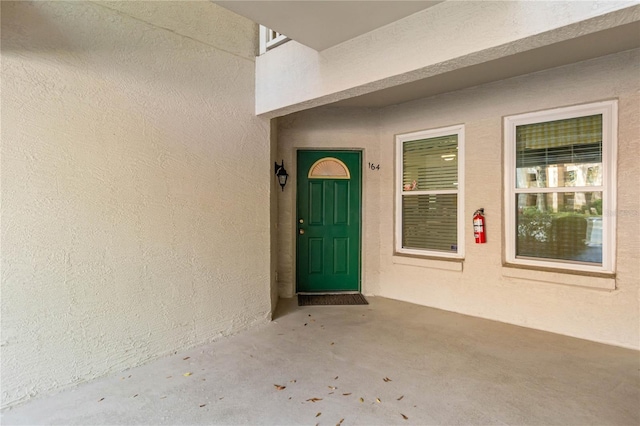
(282, 174)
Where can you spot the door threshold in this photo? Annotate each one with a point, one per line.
(321, 293)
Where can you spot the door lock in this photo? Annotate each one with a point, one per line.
(301, 231)
(301, 221)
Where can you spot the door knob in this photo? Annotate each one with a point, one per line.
(301, 221)
(301, 231)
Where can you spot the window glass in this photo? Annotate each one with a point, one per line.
(430, 163)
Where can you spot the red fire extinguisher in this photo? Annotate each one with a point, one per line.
(479, 231)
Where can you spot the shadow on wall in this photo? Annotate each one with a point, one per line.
(44, 33)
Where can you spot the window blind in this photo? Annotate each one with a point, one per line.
(429, 221)
(432, 163)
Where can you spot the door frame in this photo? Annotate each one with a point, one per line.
(295, 217)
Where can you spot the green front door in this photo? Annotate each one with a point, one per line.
(328, 221)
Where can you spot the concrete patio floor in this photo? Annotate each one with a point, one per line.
(368, 365)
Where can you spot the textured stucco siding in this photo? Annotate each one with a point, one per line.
(450, 36)
(135, 188)
(483, 287)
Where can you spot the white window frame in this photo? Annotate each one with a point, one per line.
(609, 111)
(428, 134)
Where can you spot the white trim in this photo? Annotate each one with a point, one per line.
(267, 42)
(609, 111)
(428, 134)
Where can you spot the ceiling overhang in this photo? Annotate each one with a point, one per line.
(594, 45)
(323, 24)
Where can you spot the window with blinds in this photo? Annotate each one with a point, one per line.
(429, 192)
(560, 173)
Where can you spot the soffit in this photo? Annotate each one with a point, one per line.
(594, 45)
(323, 24)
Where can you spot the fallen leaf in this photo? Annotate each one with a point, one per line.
(292, 381)
(400, 398)
(202, 405)
(335, 378)
(404, 417)
(331, 393)
(346, 394)
(314, 399)
(280, 387)
(163, 397)
(187, 374)
(101, 399)
(134, 395)
(186, 358)
(332, 343)
(332, 387)
(378, 400)
(340, 422)
(168, 377)
(361, 399)
(220, 399)
(386, 379)
(318, 415)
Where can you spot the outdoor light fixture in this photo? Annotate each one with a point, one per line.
(282, 174)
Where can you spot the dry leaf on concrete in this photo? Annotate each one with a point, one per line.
(346, 394)
(404, 417)
(186, 358)
(318, 415)
(280, 387)
(314, 399)
(361, 399)
(386, 379)
(187, 374)
(378, 400)
(400, 398)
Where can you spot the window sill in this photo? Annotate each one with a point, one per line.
(571, 278)
(443, 264)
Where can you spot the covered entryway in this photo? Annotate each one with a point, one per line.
(328, 221)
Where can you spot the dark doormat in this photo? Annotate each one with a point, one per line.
(331, 299)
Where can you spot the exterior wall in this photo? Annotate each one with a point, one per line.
(450, 36)
(135, 188)
(483, 286)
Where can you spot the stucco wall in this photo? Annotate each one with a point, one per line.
(449, 36)
(483, 287)
(135, 187)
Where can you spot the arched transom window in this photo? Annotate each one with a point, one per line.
(329, 168)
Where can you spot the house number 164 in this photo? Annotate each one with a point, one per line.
(374, 166)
